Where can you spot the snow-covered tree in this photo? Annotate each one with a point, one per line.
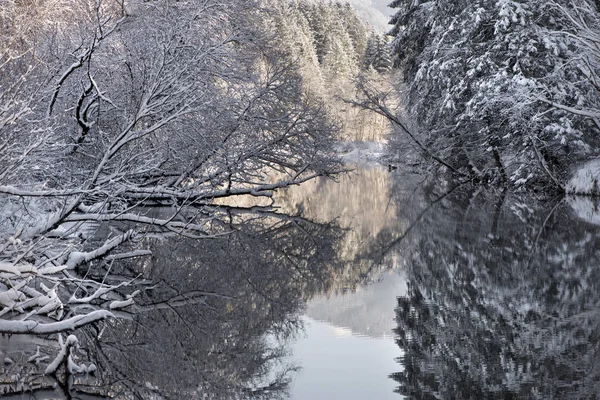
(482, 79)
(329, 41)
(109, 108)
(338, 35)
(377, 53)
(580, 22)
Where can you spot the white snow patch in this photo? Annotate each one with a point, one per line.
(55, 269)
(10, 297)
(120, 304)
(361, 153)
(585, 208)
(65, 350)
(37, 357)
(91, 368)
(586, 180)
(75, 368)
(40, 328)
(9, 267)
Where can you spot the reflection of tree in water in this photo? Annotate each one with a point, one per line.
(360, 202)
(214, 317)
(504, 302)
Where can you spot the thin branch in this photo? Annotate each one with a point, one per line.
(374, 104)
(545, 166)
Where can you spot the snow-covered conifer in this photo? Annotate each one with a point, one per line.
(491, 83)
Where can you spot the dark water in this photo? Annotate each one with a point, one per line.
(503, 299)
(378, 286)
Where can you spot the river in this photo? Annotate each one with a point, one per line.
(347, 350)
(378, 285)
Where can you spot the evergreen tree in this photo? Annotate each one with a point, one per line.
(377, 54)
(329, 41)
(356, 29)
(477, 71)
(339, 56)
(339, 38)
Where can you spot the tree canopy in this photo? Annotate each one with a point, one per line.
(504, 90)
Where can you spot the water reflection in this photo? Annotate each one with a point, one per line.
(503, 299)
(211, 321)
(337, 364)
(348, 350)
(368, 311)
(216, 318)
(361, 203)
(502, 302)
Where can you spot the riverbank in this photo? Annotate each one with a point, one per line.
(362, 153)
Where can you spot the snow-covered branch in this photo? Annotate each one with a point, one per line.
(594, 115)
(69, 324)
(122, 126)
(14, 191)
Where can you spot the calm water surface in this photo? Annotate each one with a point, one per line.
(347, 350)
(498, 296)
(380, 285)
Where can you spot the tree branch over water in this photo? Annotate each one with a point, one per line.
(375, 101)
(108, 108)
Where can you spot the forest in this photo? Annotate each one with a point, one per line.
(128, 127)
(504, 92)
(143, 143)
(503, 270)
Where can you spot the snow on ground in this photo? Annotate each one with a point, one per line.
(586, 208)
(361, 153)
(586, 180)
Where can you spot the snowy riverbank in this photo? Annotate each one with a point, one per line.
(361, 153)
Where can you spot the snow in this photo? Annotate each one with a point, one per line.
(65, 348)
(75, 368)
(586, 179)
(585, 208)
(10, 268)
(9, 297)
(101, 291)
(49, 303)
(120, 304)
(37, 327)
(55, 269)
(35, 356)
(77, 258)
(91, 368)
(361, 153)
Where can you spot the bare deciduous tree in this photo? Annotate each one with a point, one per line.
(109, 108)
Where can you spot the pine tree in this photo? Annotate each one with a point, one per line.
(476, 72)
(377, 54)
(352, 24)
